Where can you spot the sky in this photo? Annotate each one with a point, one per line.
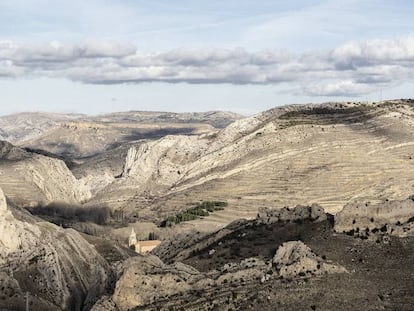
(245, 56)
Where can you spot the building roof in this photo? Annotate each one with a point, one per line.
(149, 243)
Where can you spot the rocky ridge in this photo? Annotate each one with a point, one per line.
(69, 135)
(313, 213)
(282, 157)
(147, 283)
(30, 179)
(59, 268)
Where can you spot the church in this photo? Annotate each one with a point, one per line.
(141, 247)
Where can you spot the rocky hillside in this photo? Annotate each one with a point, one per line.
(58, 267)
(330, 154)
(366, 219)
(30, 179)
(352, 160)
(25, 126)
(95, 147)
(288, 259)
(217, 119)
(78, 136)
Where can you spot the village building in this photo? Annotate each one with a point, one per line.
(141, 247)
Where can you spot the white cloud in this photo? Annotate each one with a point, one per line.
(371, 52)
(352, 69)
(338, 88)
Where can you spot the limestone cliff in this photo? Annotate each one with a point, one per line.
(13, 234)
(29, 178)
(58, 267)
(392, 217)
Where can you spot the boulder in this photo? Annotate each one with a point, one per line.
(147, 279)
(294, 258)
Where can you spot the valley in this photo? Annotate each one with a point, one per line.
(299, 207)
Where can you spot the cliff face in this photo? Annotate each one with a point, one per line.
(59, 269)
(29, 179)
(13, 234)
(391, 217)
(159, 163)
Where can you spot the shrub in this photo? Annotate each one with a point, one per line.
(202, 209)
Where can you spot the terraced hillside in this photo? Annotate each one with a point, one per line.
(329, 154)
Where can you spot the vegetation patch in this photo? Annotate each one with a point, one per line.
(290, 123)
(323, 111)
(338, 114)
(65, 214)
(200, 210)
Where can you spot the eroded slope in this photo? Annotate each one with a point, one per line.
(330, 154)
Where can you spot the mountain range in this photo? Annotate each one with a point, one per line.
(236, 201)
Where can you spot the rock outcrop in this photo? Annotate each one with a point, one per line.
(58, 267)
(11, 153)
(148, 283)
(362, 219)
(14, 234)
(147, 279)
(29, 178)
(313, 213)
(296, 259)
(148, 170)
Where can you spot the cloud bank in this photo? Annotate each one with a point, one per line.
(352, 69)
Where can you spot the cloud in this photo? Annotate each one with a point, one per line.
(354, 68)
(375, 52)
(339, 88)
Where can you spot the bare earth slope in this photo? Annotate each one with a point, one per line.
(329, 154)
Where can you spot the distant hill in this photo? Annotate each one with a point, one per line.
(77, 136)
(328, 154)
